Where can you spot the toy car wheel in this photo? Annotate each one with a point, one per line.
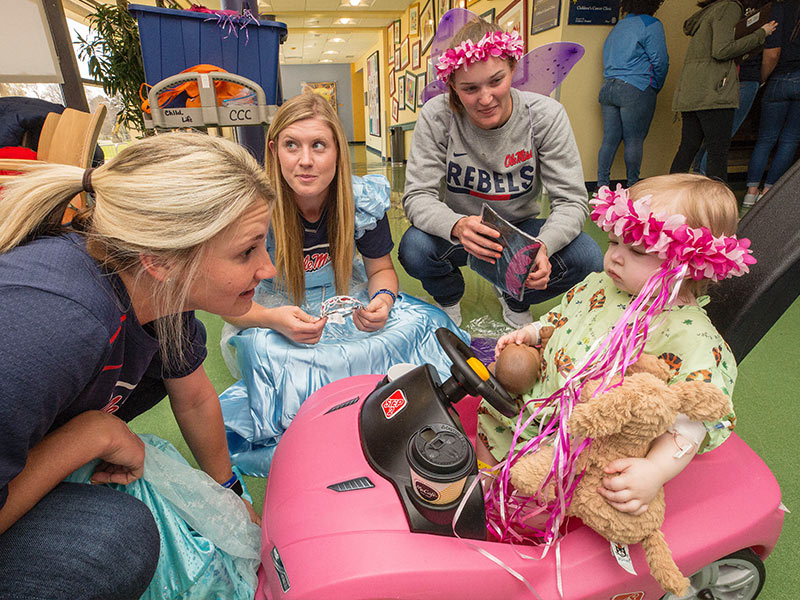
(738, 576)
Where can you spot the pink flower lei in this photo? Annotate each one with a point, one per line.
(499, 44)
(706, 256)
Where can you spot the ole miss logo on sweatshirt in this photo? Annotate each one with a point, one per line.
(464, 178)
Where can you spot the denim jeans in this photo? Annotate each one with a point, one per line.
(80, 542)
(437, 263)
(627, 113)
(780, 123)
(747, 95)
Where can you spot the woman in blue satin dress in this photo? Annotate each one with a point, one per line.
(285, 350)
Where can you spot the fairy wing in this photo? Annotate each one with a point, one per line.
(453, 20)
(542, 69)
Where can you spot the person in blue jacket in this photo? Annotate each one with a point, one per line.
(635, 64)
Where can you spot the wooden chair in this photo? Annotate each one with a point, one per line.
(70, 139)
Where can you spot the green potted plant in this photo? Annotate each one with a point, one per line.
(115, 58)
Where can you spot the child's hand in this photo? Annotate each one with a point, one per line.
(640, 479)
(527, 335)
(634, 488)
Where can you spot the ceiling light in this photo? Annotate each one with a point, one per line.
(336, 40)
(345, 20)
(326, 60)
(354, 2)
(331, 52)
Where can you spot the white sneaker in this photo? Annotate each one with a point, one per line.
(515, 319)
(750, 200)
(453, 311)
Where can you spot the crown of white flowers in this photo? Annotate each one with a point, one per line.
(499, 44)
(705, 255)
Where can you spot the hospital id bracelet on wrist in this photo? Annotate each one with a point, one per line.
(234, 485)
(384, 291)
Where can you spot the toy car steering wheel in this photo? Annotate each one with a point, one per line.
(473, 376)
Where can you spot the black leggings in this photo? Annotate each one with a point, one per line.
(714, 126)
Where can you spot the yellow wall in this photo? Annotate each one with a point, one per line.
(359, 117)
(579, 91)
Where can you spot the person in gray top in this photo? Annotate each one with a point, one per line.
(485, 141)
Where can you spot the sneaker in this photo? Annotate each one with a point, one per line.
(453, 311)
(515, 319)
(750, 200)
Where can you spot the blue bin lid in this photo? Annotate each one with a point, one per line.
(169, 12)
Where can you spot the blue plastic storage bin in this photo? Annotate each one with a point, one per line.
(173, 40)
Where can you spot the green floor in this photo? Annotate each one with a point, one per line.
(767, 388)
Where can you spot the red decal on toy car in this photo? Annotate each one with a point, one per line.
(629, 596)
(394, 404)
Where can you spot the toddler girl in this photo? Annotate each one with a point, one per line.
(668, 237)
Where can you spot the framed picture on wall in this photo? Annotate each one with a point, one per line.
(326, 89)
(513, 17)
(374, 94)
(397, 58)
(391, 58)
(427, 25)
(401, 90)
(413, 19)
(545, 14)
(459, 3)
(416, 52)
(391, 82)
(593, 12)
(395, 109)
(422, 81)
(442, 6)
(397, 32)
(488, 16)
(390, 39)
(431, 71)
(404, 57)
(411, 91)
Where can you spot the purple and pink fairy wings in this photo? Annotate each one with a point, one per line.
(541, 70)
(705, 255)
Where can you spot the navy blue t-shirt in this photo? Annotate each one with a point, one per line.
(786, 14)
(374, 243)
(69, 342)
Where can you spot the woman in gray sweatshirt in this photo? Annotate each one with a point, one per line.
(485, 141)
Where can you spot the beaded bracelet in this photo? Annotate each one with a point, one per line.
(384, 291)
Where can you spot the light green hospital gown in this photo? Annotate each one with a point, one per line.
(686, 339)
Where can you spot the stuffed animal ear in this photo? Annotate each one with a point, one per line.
(648, 363)
(702, 401)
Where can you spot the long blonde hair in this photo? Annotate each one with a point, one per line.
(287, 225)
(163, 196)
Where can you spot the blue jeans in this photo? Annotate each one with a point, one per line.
(80, 542)
(780, 123)
(627, 113)
(437, 263)
(747, 95)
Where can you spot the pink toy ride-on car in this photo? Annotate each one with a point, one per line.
(346, 517)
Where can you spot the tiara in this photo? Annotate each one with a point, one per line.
(705, 255)
(499, 44)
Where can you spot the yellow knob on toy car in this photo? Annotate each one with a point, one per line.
(479, 368)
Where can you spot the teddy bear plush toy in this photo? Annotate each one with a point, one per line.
(622, 422)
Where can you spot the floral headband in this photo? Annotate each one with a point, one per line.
(495, 43)
(706, 256)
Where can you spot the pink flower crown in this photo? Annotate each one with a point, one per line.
(495, 43)
(706, 256)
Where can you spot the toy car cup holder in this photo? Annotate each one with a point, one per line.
(440, 458)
